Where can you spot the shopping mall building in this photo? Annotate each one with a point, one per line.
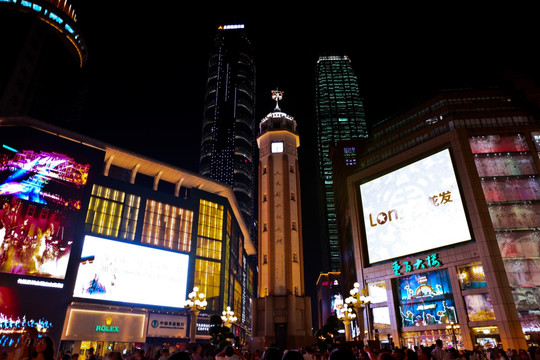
(100, 247)
(440, 218)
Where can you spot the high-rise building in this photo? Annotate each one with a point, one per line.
(442, 215)
(340, 116)
(228, 144)
(282, 311)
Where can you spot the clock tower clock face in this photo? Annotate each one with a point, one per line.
(277, 147)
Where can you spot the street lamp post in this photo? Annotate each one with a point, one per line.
(453, 328)
(358, 301)
(195, 303)
(228, 317)
(346, 315)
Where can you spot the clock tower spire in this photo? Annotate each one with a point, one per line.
(282, 312)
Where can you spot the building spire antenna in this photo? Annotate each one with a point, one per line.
(277, 95)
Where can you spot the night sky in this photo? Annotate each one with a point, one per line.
(142, 88)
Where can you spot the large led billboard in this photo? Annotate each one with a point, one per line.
(413, 209)
(40, 196)
(121, 272)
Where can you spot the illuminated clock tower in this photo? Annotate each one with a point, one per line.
(282, 312)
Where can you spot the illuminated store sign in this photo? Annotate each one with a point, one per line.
(107, 327)
(413, 209)
(430, 261)
(167, 325)
(96, 325)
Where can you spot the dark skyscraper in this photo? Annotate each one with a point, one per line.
(228, 144)
(340, 116)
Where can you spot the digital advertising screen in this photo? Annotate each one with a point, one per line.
(40, 198)
(122, 272)
(413, 209)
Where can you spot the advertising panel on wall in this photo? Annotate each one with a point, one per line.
(43, 179)
(415, 208)
(426, 299)
(41, 193)
(167, 325)
(115, 271)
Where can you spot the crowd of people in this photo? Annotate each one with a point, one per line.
(435, 351)
(32, 347)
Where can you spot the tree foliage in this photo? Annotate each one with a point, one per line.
(219, 334)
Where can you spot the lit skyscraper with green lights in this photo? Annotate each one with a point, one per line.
(340, 116)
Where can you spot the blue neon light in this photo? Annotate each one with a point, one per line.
(9, 147)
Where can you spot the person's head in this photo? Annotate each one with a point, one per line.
(165, 352)
(180, 355)
(229, 351)
(45, 345)
(342, 354)
(114, 355)
(411, 355)
(271, 353)
(293, 355)
(385, 356)
(75, 357)
(438, 342)
(196, 348)
(91, 351)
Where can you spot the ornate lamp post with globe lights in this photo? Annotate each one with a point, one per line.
(346, 315)
(228, 317)
(195, 303)
(453, 329)
(358, 301)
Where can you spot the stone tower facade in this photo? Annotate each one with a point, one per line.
(282, 312)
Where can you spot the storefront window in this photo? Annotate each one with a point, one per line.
(426, 299)
(381, 318)
(471, 276)
(377, 292)
(479, 307)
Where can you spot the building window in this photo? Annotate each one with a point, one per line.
(167, 226)
(264, 170)
(265, 227)
(210, 220)
(264, 197)
(207, 279)
(265, 259)
(294, 257)
(112, 213)
(291, 169)
(209, 248)
(294, 225)
(293, 198)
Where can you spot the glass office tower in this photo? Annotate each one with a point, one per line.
(228, 143)
(340, 116)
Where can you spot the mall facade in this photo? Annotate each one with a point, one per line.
(100, 247)
(439, 213)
